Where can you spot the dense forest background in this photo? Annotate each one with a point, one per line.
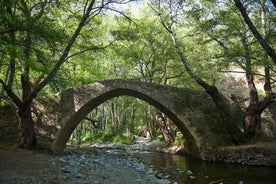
(218, 46)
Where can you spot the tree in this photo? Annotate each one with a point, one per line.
(144, 47)
(33, 49)
(169, 15)
(227, 31)
(263, 42)
(147, 49)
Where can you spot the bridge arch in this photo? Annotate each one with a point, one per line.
(174, 102)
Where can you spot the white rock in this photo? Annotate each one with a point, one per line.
(192, 177)
(189, 172)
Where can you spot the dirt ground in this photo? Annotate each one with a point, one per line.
(20, 166)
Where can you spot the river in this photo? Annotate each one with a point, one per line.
(183, 169)
(186, 170)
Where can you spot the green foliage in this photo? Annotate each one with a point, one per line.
(122, 139)
(30, 38)
(43, 148)
(160, 137)
(106, 136)
(4, 146)
(33, 35)
(179, 137)
(3, 103)
(146, 50)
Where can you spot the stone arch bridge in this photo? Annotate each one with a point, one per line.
(190, 110)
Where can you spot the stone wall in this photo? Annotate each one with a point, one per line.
(8, 125)
(260, 154)
(44, 116)
(269, 122)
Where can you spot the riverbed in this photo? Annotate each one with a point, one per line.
(117, 164)
(184, 169)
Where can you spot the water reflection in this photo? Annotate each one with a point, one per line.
(183, 169)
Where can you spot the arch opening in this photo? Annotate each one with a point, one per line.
(70, 125)
(125, 119)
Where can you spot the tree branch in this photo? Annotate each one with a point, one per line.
(121, 13)
(257, 74)
(267, 101)
(93, 122)
(270, 51)
(63, 57)
(90, 49)
(274, 3)
(225, 48)
(11, 94)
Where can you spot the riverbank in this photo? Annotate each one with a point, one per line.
(78, 166)
(118, 163)
(257, 154)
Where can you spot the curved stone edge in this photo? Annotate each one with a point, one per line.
(172, 101)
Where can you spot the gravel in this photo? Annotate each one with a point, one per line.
(78, 166)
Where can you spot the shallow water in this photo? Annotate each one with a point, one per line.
(183, 169)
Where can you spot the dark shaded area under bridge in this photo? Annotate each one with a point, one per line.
(192, 111)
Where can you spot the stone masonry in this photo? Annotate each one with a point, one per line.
(188, 109)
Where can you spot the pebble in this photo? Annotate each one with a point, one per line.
(189, 172)
(76, 167)
(179, 171)
(192, 177)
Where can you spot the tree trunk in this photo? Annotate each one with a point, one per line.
(219, 100)
(27, 136)
(132, 119)
(164, 128)
(113, 115)
(225, 113)
(252, 123)
(124, 114)
(151, 123)
(270, 51)
(252, 127)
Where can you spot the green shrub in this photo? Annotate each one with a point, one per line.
(160, 137)
(179, 137)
